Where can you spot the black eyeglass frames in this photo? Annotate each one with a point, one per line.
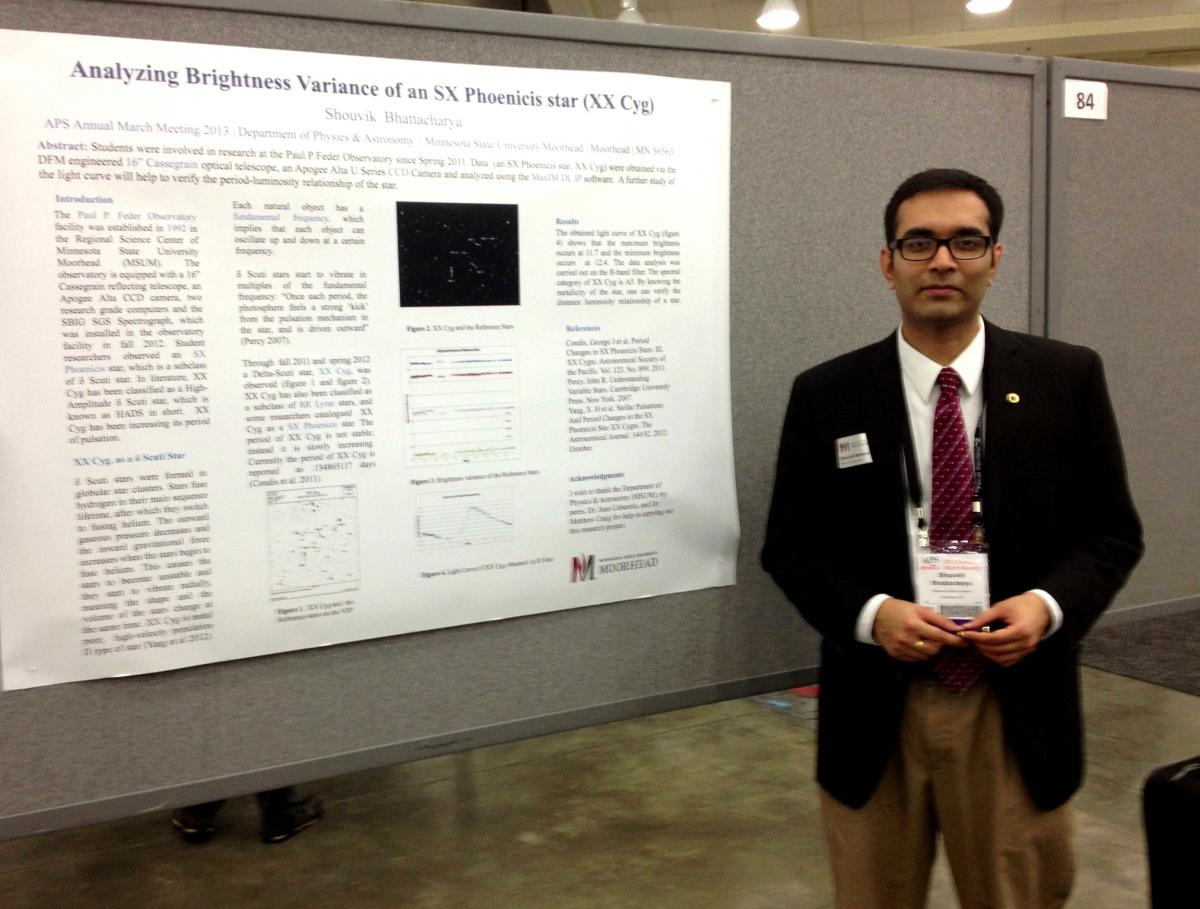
(921, 249)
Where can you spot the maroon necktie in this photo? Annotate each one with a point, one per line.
(950, 514)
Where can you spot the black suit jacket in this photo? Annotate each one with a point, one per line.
(1057, 514)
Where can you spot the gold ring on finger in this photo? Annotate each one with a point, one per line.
(920, 643)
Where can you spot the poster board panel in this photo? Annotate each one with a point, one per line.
(820, 137)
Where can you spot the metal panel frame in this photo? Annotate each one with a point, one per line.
(161, 800)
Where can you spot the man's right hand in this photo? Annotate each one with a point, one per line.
(911, 632)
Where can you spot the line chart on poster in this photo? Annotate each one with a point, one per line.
(461, 405)
(465, 518)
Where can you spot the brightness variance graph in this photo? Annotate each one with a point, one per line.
(464, 518)
(460, 405)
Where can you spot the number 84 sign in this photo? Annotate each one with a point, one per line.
(1085, 100)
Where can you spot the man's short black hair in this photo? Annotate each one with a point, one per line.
(944, 178)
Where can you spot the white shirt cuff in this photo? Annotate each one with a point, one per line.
(1052, 607)
(866, 619)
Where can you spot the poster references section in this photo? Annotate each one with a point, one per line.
(307, 349)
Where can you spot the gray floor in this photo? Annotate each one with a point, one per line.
(712, 806)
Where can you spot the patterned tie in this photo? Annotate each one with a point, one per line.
(953, 475)
(950, 514)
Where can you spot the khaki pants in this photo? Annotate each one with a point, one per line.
(953, 774)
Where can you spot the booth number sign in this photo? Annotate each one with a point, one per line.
(1085, 100)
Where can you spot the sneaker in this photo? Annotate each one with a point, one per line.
(285, 823)
(191, 830)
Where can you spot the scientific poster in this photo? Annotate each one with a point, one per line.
(303, 349)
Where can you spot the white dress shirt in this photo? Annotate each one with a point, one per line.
(919, 376)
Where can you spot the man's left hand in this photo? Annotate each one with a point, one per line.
(1026, 619)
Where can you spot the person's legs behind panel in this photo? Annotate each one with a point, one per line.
(284, 813)
(197, 823)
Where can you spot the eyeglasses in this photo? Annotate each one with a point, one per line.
(921, 249)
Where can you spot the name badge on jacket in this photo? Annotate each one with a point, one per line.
(853, 451)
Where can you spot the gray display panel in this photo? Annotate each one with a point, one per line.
(1122, 278)
(822, 133)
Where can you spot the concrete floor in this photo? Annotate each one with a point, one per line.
(708, 807)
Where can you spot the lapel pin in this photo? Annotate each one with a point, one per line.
(1012, 398)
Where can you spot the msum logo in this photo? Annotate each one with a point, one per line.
(583, 568)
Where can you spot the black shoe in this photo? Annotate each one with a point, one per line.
(190, 829)
(285, 822)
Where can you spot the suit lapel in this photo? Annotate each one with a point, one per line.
(886, 413)
(883, 402)
(1005, 380)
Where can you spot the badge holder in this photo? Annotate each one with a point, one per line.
(954, 578)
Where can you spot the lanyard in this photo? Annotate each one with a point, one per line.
(914, 483)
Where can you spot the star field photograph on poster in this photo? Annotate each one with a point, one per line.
(458, 254)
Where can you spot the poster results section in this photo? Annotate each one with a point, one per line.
(307, 349)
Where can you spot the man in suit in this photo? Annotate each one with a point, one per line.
(1027, 468)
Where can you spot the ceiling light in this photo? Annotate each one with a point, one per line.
(778, 14)
(629, 12)
(983, 7)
